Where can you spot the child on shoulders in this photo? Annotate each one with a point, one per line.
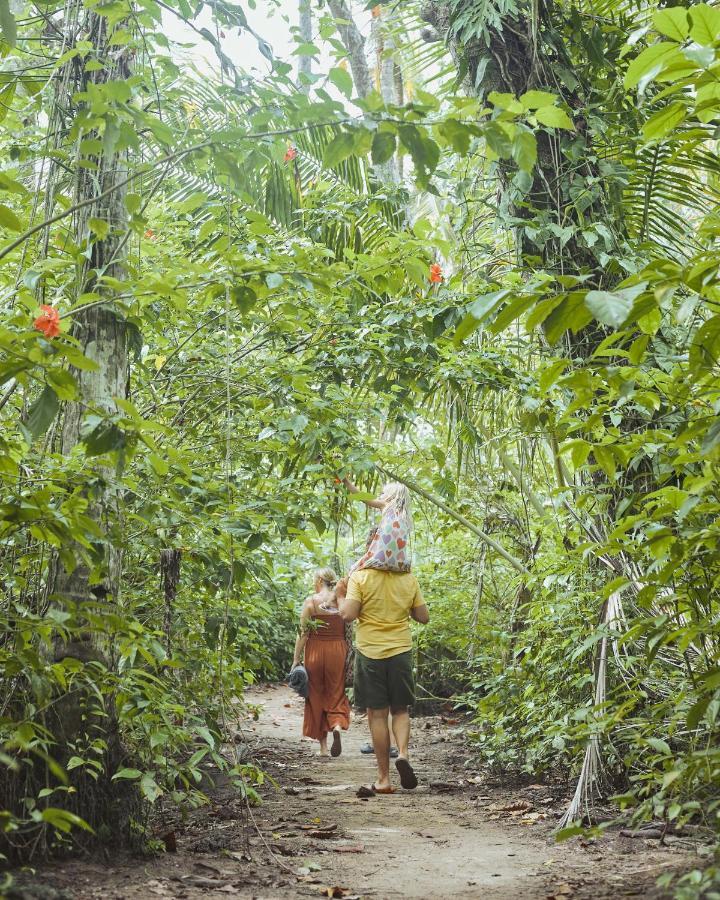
(388, 546)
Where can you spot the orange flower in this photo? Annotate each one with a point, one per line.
(290, 154)
(436, 275)
(48, 321)
(150, 234)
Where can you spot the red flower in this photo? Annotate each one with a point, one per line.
(48, 321)
(436, 275)
(150, 234)
(290, 154)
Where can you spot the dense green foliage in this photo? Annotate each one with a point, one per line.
(252, 264)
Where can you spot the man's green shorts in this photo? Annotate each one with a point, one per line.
(384, 682)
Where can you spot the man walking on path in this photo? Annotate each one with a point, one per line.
(383, 603)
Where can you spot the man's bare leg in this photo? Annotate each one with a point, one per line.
(323, 746)
(401, 729)
(378, 722)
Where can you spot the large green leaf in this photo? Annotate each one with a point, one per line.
(665, 120)
(524, 150)
(8, 26)
(555, 117)
(8, 219)
(651, 62)
(42, 412)
(672, 22)
(383, 147)
(705, 20)
(612, 307)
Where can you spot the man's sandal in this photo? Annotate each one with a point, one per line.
(386, 790)
(408, 778)
(365, 791)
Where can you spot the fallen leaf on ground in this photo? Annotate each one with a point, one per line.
(349, 848)
(316, 826)
(515, 806)
(335, 891)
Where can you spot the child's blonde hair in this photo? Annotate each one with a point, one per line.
(397, 495)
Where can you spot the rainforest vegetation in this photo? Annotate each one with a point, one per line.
(467, 244)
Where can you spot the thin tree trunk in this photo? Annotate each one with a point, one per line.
(169, 580)
(100, 330)
(306, 36)
(354, 43)
(476, 606)
(385, 83)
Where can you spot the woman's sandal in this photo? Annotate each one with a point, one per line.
(336, 748)
(408, 778)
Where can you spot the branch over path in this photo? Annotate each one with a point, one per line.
(459, 517)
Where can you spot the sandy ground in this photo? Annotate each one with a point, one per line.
(460, 834)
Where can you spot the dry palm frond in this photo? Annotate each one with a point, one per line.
(589, 786)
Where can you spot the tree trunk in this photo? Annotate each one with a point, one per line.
(169, 580)
(101, 330)
(107, 805)
(516, 57)
(480, 587)
(306, 36)
(354, 43)
(386, 84)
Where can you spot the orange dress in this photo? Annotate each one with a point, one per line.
(327, 705)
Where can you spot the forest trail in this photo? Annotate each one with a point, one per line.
(461, 834)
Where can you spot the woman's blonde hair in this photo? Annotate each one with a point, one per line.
(327, 576)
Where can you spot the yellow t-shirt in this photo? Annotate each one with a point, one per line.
(385, 599)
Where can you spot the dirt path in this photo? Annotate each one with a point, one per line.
(459, 835)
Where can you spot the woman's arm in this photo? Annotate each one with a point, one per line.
(353, 488)
(302, 637)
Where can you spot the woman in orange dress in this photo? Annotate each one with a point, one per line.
(322, 640)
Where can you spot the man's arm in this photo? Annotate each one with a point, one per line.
(419, 610)
(420, 613)
(348, 598)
